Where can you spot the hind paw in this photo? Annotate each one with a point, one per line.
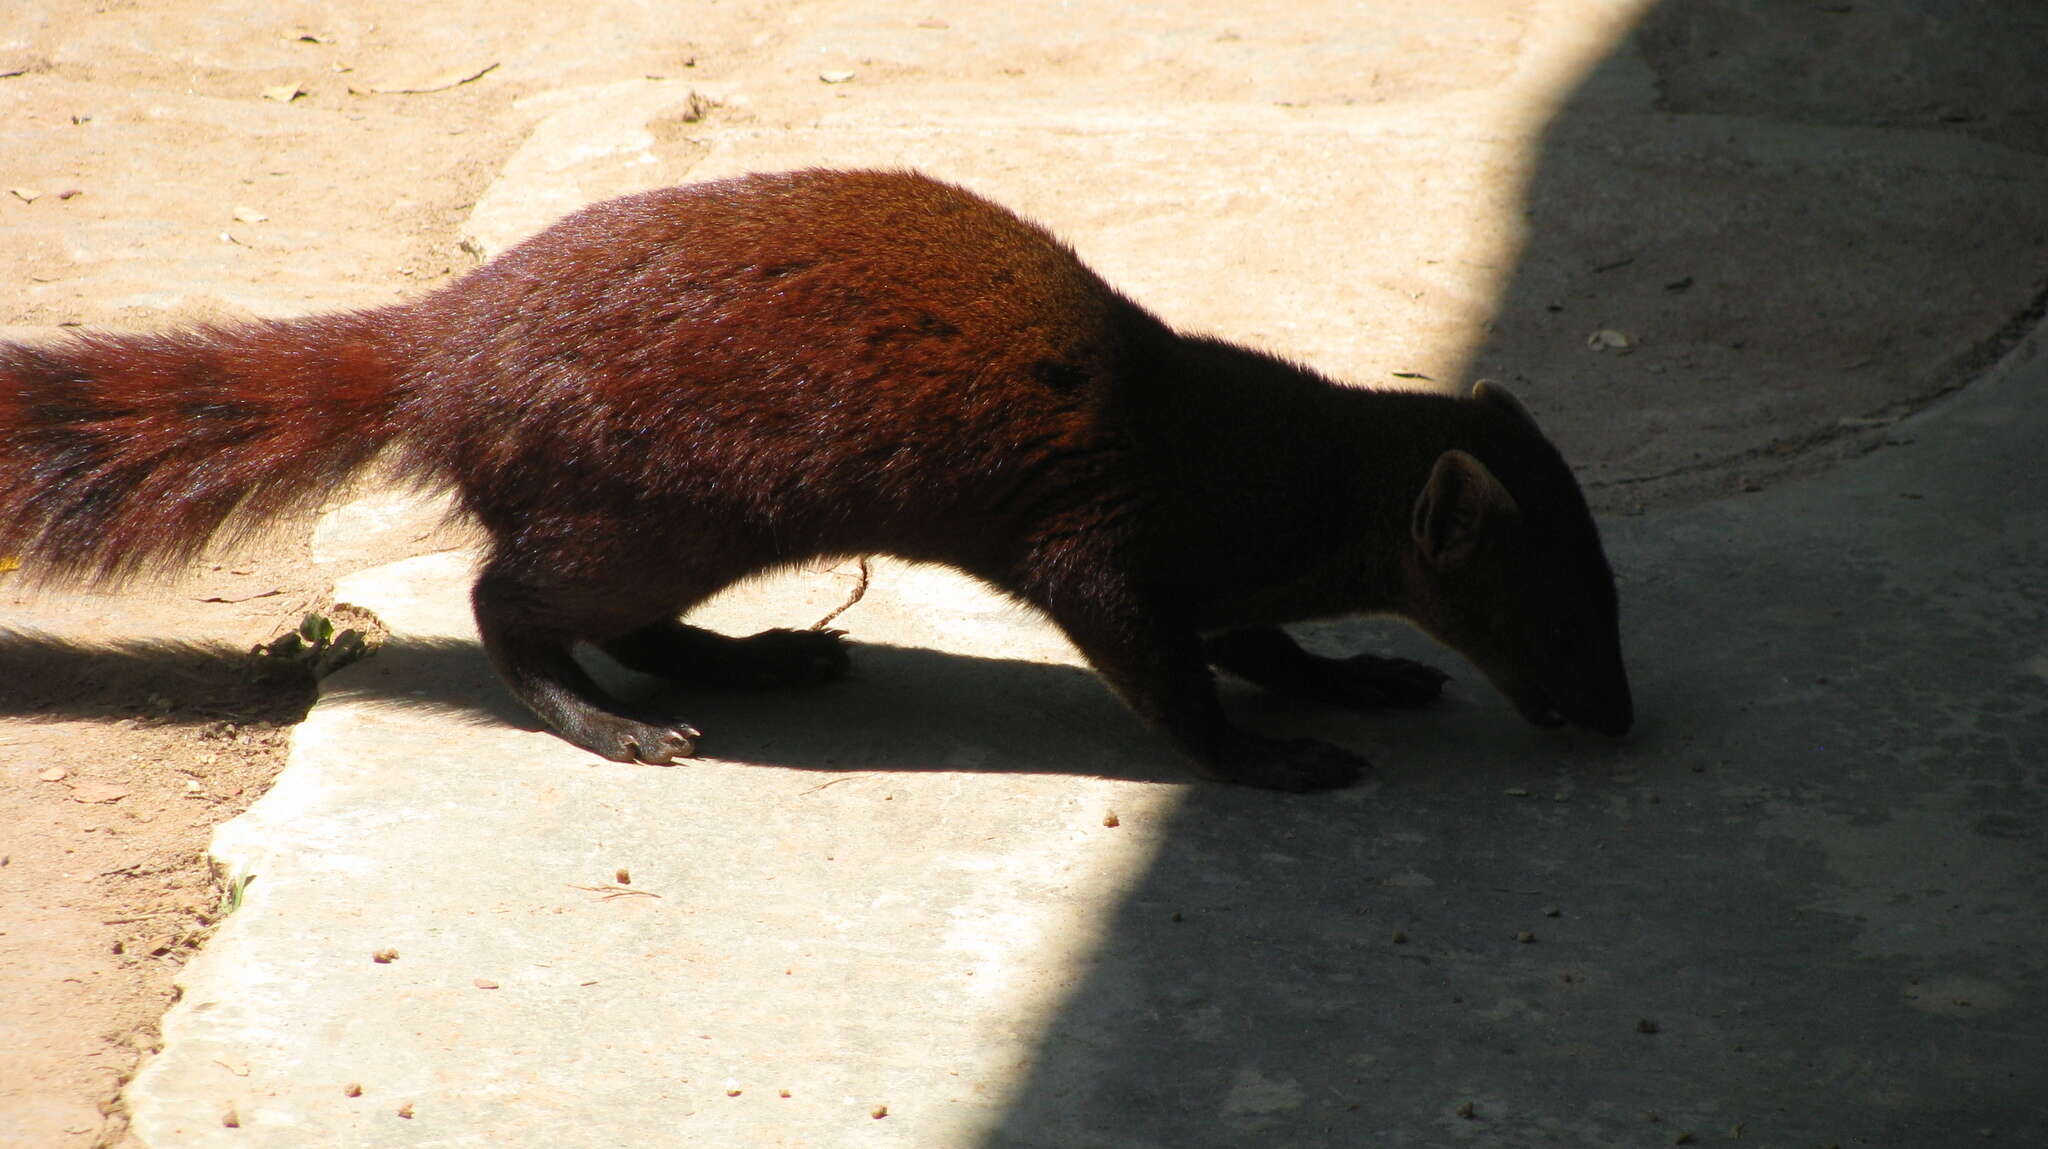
(1370, 681)
(784, 658)
(768, 660)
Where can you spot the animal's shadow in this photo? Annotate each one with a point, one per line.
(900, 708)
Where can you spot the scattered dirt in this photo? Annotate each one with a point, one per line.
(116, 762)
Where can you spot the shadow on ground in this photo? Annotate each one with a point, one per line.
(919, 704)
(1844, 198)
(43, 676)
(1802, 905)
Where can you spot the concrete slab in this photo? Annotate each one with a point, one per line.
(1439, 193)
(852, 927)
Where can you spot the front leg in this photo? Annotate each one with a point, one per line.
(1156, 664)
(1269, 657)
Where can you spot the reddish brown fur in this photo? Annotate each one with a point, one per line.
(126, 452)
(667, 392)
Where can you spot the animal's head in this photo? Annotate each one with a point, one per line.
(1511, 574)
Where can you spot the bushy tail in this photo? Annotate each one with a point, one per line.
(121, 453)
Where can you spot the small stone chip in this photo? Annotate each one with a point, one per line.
(484, 983)
(95, 792)
(1525, 937)
(231, 1119)
(384, 957)
(405, 1111)
(1466, 1111)
(1110, 820)
(880, 1111)
(1400, 938)
(352, 1089)
(622, 877)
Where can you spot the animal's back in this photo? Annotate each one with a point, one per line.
(875, 349)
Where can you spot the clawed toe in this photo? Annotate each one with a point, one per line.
(649, 743)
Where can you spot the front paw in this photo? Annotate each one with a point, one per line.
(1295, 765)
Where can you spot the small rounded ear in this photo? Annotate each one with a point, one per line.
(1487, 391)
(1457, 507)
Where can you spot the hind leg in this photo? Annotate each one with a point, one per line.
(528, 634)
(704, 658)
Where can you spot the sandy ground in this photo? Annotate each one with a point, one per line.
(1778, 237)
